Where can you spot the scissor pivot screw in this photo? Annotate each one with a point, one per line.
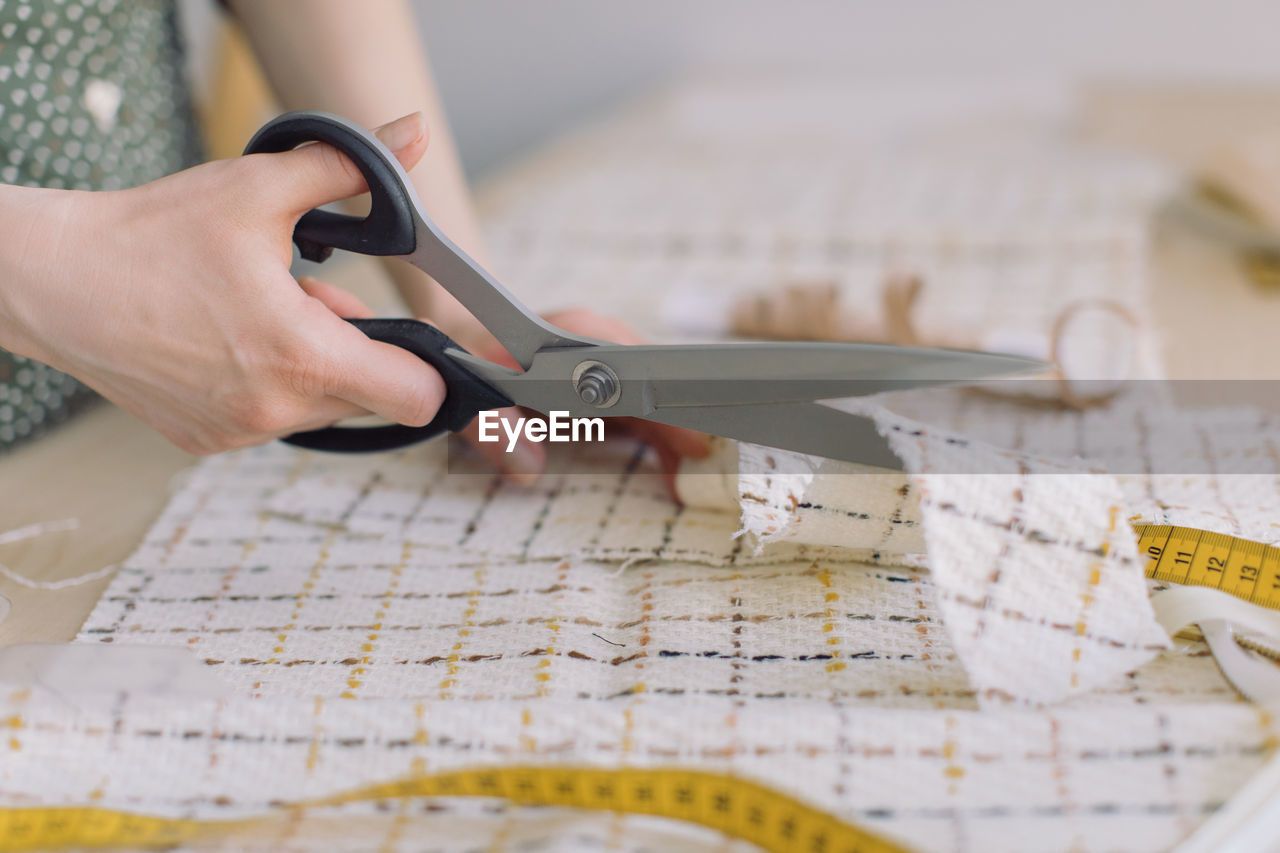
(596, 383)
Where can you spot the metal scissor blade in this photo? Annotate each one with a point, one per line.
(803, 427)
(740, 374)
(518, 329)
(655, 378)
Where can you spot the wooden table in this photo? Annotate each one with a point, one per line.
(114, 474)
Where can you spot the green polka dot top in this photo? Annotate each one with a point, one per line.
(92, 97)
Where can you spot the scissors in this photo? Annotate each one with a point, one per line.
(763, 393)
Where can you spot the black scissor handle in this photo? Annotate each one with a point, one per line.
(389, 227)
(466, 394)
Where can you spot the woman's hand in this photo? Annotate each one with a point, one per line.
(527, 460)
(174, 300)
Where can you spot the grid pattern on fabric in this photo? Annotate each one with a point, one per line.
(1132, 778)
(402, 588)
(401, 578)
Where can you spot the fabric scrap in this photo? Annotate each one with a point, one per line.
(1035, 569)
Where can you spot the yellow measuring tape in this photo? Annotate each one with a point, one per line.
(1185, 555)
(737, 807)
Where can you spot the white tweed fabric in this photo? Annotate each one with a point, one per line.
(1036, 574)
(1118, 778)
(375, 607)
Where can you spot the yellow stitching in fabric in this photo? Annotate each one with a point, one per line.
(734, 806)
(1185, 555)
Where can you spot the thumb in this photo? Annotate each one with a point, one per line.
(319, 174)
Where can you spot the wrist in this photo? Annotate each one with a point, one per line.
(32, 223)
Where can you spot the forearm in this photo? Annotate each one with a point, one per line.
(365, 61)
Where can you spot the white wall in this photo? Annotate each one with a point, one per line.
(514, 71)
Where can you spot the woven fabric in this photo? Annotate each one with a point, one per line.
(1130, 778)
(823, 673)
(1036, 574)
(464, 586)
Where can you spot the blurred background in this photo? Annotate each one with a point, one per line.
(516, 73)
(1015, 160)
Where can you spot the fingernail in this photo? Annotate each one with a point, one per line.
(524, 464)
(402, 132)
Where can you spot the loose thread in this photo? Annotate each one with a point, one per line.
(629, 562)
(40, 528)
(66, 583)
